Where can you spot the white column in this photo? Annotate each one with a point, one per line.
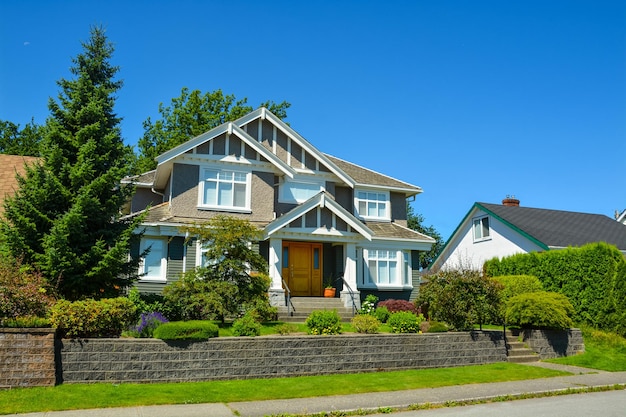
(350, 276)
(276, 292)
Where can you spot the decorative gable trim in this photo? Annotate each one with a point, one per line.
(321, 200)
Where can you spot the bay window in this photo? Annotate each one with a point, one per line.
(386, 268)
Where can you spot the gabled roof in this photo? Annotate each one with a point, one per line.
(621, 217)
(323, 200)
(367, 177)
(559, 229)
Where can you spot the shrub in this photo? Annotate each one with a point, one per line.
(398, 305)
(148, 322)
(151, 302)
(365, 323)
(437, 327)
(382, 314)
(246, 326)
(542, 309)
(262, 309)
(368, 306)
(513, 285)
(286, 328)
(27, 321)
(324, 322)
(91, 318)
(186, 330)
(23, 292)
(404, 322)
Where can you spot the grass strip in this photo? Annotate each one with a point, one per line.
(102, 395)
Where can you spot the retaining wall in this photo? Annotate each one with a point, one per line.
(550, 344)
(27, 357)
(151, 360)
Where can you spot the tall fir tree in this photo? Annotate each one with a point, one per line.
(64, 220)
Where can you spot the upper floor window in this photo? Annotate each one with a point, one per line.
(298, 192)
(153, 264)
(225, 189)
(481, 228)
(372, 205)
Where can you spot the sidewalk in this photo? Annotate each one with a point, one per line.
(582, 378)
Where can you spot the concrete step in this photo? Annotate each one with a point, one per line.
(517, 351)
(304, 306)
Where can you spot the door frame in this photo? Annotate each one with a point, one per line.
(314, 264)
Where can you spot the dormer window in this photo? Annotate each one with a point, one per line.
(224, 189)
(372, 205)
(481, 229)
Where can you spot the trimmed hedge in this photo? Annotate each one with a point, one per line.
(324, 322)
(592, 277)
(543, 310)
(405, 322)
(186, 330)
(518, 284)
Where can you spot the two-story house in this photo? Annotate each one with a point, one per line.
(321, 216)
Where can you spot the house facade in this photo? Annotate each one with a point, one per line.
(498, 230)
(323, 218)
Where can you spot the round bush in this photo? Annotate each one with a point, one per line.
(365, 323)
(518, 284)
(246, 326)
(398, 305)
(186, 330)
(324, 322)
(382, 314)
(544, 310)
(405, 322)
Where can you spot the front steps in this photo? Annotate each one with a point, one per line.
(517, 351)
(304, 306)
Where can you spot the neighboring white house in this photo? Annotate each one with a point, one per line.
(499, 230)
(621, 217)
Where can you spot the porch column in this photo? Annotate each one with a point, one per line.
(276, 292)
(350, 276)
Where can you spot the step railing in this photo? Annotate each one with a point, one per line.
(288, 302)
(352, 294)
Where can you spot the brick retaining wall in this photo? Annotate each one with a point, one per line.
(27, 357)
(151, 360)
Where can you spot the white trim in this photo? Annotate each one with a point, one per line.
(143, 246)
(202, 180)
(387, 202)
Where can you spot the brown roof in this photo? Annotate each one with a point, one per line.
(10, 166)
(395, 231)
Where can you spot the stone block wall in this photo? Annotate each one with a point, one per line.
(151, 360)
(550, 344)
(27, 357)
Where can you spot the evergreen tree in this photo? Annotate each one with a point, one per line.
(190, 115)
(64, 219)
(415, 221)
(16, 141)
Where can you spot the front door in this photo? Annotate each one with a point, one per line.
(302, 268)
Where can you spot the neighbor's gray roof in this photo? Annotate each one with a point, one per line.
(556, 228)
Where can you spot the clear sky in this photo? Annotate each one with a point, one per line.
(470, 100)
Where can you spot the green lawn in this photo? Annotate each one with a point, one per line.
(605, 351)
(101, 395)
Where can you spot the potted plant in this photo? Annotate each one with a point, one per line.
(329, 290)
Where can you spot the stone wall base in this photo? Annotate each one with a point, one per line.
(27, 357)
(551, 344)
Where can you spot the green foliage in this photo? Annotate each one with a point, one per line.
(107, 317)
(415, 222)
(23, 292)
(247, 325)
(437, 327)
(16, 141)
(368, 306)
(27, 321)
(405, 322)
(324, 322)
(365, 323)
(285, 328)
(64, 219)
(190, 115)
(224, 285)
(593, 277)
(186, 330)
(151, 302)
(382, 314)
(513, 285)
(461, 298)
(261, 308)
(540, 309)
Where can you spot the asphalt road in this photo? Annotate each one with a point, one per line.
(604, 404)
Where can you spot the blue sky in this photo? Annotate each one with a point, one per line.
(471, 100)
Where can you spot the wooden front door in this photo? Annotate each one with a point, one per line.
(302, 268)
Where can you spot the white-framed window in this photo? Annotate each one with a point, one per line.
(153, 265)
(298, 191)
(481, 228)
(372, 205)
(225, 189)
(387, 268)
